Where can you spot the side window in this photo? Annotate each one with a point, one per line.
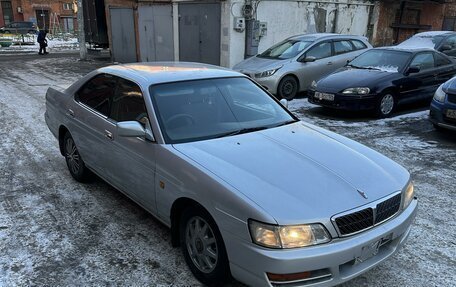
(320, 51)
(441, 60)
(342, 47)
(424, 61)
(451, 41)
(96, 93)
(358, 44)
(128, 103)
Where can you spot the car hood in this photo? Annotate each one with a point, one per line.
(255, 64)
(297, 173)
(352, 78)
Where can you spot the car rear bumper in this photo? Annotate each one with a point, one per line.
(437, 115)
(352, 103)
(336, 260)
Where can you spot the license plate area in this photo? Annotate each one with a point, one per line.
(372, 249)
(451, 114)
(324, 96)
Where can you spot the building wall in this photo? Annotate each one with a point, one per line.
(25, 10)
(16, 15)
(288, 18)
(431, 14)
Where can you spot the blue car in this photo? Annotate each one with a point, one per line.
(443, 106)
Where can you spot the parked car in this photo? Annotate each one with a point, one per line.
(442, 41)
(19, 28)
(443, 106)
(246, 188)
(382, 78)
(290, 66)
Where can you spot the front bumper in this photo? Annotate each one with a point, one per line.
(249, 262)
(437, 116)
(269, 83)
(343, 102)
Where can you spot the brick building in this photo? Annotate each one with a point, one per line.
(398, 20)
(56, 16)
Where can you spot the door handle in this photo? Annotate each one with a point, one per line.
(71, 113)
(330, 63)
(108, 134)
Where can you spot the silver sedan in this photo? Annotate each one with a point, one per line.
(293, 64)
(247, 189)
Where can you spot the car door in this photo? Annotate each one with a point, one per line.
(448, 46)
(420, 85)
(445, 68)
(133, 158)
(90, 127)
(322, 66)
(343, 52)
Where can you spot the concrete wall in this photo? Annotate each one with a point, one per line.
(288, 18)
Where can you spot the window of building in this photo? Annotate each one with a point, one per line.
(67, 6)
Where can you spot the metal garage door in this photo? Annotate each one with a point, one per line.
(123, 35)
(156, 33)
(199, 32)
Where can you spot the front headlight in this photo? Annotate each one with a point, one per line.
(267, 73)
(291, 236)
(440, 95)
(356, 91)
(409, 194)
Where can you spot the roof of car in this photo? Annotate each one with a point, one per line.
(317, 36)
(149, 73)
(405, 49)
(433, 33)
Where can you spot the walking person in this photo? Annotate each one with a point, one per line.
(43, 42)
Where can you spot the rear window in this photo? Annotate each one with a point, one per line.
(358, 44)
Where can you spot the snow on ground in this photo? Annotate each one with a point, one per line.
(29, 44)
(55, 231)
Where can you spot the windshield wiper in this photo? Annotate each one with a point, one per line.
(364, 68)
(242, 131)
(284, 123)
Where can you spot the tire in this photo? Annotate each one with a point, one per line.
(386, 105)
(203, 247)
(437, 127)
(7, 32)
(288, 88)
(75, 164)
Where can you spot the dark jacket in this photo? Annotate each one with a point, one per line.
(41, 36)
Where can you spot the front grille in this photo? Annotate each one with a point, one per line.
(451, 98)
(368, 217)
(388, 208)
(356, 221)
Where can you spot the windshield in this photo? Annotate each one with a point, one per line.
(285, 50)
(204, 109)
(385, 60)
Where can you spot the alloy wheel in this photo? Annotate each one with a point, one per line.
(201, 244)
(72, 155)
(387, 104)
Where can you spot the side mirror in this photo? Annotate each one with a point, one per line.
(284, 103)
(413, 70)
(309, 59)
(130, 129)
(445, 48)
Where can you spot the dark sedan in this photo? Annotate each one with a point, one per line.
(382, 78)
(443, 106)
